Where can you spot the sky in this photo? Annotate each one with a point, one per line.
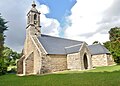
(84, 20)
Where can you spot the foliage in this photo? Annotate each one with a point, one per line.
(12, 70)
(114, 44)
(7, 56)
(11, 59)
(96, 42)
(3, 28)
(11, 56)
(3, 67)
(114, 34)
(71, 78)
(114, 48)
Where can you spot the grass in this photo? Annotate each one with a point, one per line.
(101, 76)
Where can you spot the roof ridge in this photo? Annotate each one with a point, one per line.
(74, 45)
(61, 38)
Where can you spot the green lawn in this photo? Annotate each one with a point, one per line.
(101, 76)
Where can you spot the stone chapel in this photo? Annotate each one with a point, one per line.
(46, 54)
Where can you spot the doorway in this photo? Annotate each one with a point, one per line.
(85, 61)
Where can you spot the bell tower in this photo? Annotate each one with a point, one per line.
(33, 21)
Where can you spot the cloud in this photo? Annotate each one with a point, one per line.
(50, 26)
(15, 12)
(111, 16)
(90, 20)
(44, 9)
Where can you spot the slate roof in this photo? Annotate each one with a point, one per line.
(73, 49)
(56, 45)
(98, 49)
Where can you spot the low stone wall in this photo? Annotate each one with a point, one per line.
(99, 60)
(53, 63)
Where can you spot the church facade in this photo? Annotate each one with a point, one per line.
(46, 54)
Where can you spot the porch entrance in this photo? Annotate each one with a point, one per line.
(85, 61)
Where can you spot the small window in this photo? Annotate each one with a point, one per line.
(28, 19)
(35, 17)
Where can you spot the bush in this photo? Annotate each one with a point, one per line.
(3, 68)
(13, 70)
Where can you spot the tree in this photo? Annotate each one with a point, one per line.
(114, 34)
(11, 56)
(3, 28)
(114, 44)
(96, 42)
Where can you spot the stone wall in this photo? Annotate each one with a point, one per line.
(29, 61)
(99, 60)
(110, 60)
(53, 63)
(31, 45)
(39, 53)
(76, 60)
(20, 65)
(73, 61)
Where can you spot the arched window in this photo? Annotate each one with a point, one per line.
(35, 17)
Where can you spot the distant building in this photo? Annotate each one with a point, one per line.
(46, 54)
